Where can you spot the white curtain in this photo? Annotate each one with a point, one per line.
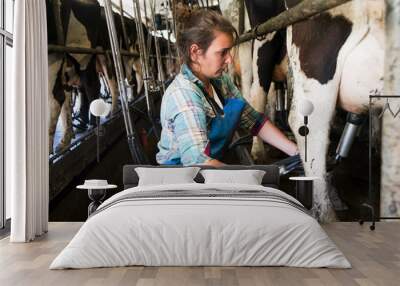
(27, 170)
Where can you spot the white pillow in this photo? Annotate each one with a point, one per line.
(163, 176)
(248, 177)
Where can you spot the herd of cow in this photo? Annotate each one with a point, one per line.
(84, 26)
(334, 58)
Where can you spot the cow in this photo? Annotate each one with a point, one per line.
(336, 58)
(64, 69)
(261, 62)
(131, 65)
(243, 55)
(84, 25)
(269, 62)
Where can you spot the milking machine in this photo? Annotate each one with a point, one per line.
(135, 146)
(160, 69)
(281, 108)
(353, 126)
(165, 13)
(151, 86)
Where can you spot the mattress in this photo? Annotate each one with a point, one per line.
(201, 225)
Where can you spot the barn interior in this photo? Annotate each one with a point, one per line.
(82, 84)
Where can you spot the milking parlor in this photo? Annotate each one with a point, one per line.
(236, 142)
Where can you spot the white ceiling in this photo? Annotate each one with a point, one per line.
(160, 7)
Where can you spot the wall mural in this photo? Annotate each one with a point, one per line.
(286, 98)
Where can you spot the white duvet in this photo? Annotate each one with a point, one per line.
(217, 231)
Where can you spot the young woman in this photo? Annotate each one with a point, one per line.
(202, 108)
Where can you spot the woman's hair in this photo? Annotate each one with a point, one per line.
(200, 29)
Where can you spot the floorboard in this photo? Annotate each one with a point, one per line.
(374, 255)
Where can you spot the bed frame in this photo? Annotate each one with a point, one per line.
(270, 179)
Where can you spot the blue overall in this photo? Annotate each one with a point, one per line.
(223, 126)
(221, 130)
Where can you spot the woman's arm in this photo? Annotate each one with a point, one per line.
(272, 135)
(214, 162)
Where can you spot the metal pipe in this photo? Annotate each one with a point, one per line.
(78, 50)
(137, 152)
(126, 13)
(161, 75)
(241, 16)
(116, 56)
(125, 35)
(148, 47)
(98, 138)
(280, 97)
(57, 19)
(144, 60)
(168, 31)
(175, 25)
(142, 47)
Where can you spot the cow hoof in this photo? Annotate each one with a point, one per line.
(65, 142)
(81, 127)
(51, 149)
(337, 203)
(113, 111)
(61, 148)
(328, 216)
(258, 155)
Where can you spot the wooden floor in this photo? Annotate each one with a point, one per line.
(374, 255)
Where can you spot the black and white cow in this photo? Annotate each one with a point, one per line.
(335, 57)
(131, 65)
(64, 71)
(269, 62)
(243, 55)
(261, 62)
(84, 26)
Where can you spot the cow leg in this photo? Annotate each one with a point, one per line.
(263, 66)
(56, 95)
(257, 99)
(129, 73)
(107, 70)
(90, 83)
(66, 117)
(84, 107)
(246, 74)
(323, 97)
(270, 110)
(317, 139)
(55, 109)
(114, 94)
(139, 75)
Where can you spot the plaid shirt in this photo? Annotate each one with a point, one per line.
(186, 115)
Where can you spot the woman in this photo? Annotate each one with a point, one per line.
(202, 108)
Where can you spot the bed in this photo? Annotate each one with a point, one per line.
(201, 224)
